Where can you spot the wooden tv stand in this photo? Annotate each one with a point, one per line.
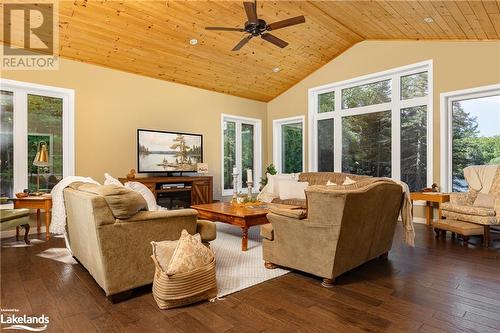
(199, 187)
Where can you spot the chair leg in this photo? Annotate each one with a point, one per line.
(26, 233)
(465, 240)
(487, 236)
(328, 283)
(453, 235)
(269, 265)
(17, 233)
(384, 256)
(437, 231)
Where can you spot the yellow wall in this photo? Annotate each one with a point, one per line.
(110, 105)
(456, 65)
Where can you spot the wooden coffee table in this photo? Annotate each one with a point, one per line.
(237, 215)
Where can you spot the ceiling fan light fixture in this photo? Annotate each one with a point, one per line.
(428, 19)
(193, 41)
(276, 69)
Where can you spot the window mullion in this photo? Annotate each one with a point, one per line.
(20, 140)
(337, 132)
(238, 142)
(396, 128)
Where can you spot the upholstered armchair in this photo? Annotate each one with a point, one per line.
(481, 203)
(345, 227)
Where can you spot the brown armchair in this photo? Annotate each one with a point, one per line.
(344, 228)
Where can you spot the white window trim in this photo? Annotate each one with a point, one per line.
(446, 100)
(395, 105)
(20, 91)
(277, 135)
(257, 153)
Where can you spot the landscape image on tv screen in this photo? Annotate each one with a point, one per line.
(168, 151)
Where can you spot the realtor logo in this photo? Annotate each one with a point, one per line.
(30, 35)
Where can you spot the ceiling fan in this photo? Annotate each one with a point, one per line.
(257, 27)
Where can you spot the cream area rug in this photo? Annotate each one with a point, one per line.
(238, 270)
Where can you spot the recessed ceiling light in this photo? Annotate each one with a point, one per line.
(276, 69)
(193, 41)
(428, 20)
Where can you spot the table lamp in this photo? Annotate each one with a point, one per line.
(41, 160)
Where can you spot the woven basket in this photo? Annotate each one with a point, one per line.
(184, 288)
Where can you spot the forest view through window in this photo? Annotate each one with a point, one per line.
(475, 135)
(377, 121)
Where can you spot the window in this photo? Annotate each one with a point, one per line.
(288, 144)
(32, 115)
(376, 125)
(241, 142)
(470, 129)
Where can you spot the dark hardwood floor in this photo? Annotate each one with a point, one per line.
(438, 286)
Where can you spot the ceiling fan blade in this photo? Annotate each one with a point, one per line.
(242, 43)
(286, 23)
(251, 11)
(275, 40)
(224, 29)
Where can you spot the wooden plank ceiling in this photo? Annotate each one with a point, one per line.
(152, 37)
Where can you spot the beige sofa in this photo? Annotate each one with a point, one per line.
(116, 251)
(345, 227)
(319, 178)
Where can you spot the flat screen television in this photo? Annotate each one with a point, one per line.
(162, 152)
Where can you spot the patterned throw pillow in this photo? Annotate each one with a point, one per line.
(190, 254)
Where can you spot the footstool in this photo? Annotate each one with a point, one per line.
(465, 229)
(10, 218)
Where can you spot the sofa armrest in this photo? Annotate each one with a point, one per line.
(298, 214)
(207, 230)
(160, 215)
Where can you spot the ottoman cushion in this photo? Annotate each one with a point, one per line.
(459, 227)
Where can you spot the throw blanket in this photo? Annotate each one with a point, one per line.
(58, 222)
(480, 177)
(406, 214)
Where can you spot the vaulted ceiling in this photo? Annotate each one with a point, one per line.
(152, 37)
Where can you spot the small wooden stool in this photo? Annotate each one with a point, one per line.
(465, 229)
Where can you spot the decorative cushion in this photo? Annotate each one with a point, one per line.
(189, 255)
(275, 180)
(348, 181)
(110, 180)
(145, 192)
(484, 200)
(290, 189)
(329, 183)
(123, 202)
(163, 252)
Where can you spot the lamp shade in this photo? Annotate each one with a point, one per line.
(42, 155)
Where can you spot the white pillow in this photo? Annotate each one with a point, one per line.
(290, 189)
(329, 183)
(274, 180)
(145, 192)
(265, 195)
(110, 180)
(348, 181)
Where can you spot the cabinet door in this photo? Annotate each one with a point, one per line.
(201, 192)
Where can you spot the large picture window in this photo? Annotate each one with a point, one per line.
(376, 125)
(241, 142)
(470, 132)
(33, 115)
